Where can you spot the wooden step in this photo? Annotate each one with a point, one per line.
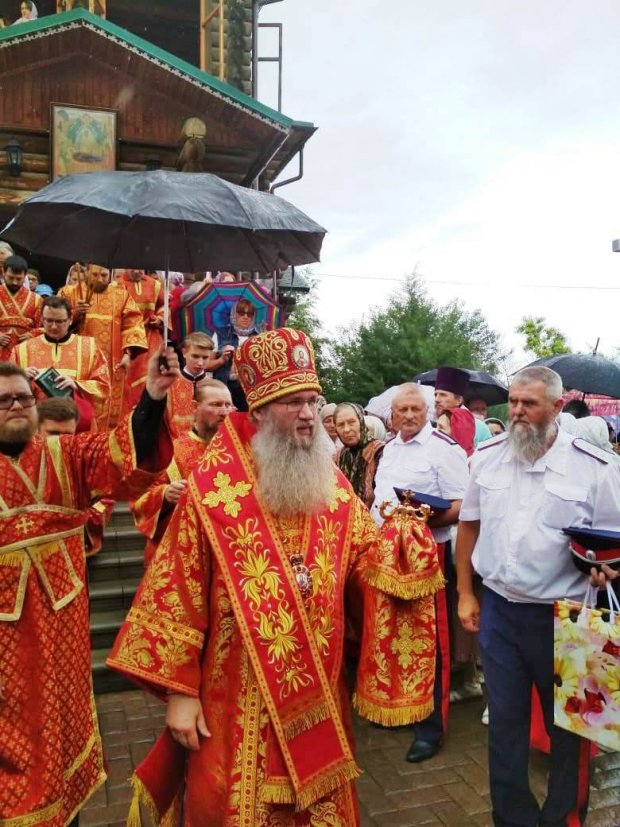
(104, 627)
(113, 566)
(108, 595)
(121, 516)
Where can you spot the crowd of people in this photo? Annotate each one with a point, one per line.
(261, 503)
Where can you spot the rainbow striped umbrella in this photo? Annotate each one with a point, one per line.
(211, 307)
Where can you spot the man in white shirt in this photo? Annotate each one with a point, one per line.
(427, 461)
(525, 487)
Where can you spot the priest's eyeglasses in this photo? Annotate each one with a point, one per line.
(296, 405)
(26, 400)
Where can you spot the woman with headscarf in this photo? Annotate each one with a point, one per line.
(227, 339)
(326, 415)
(460, 425)
(495, 425)
(359, 457)
(28, 12)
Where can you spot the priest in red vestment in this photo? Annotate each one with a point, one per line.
(51, 758)
(240, 618)
(82, 366)
(109, 314)
(152, 511)
(20, 308)
(148, 295)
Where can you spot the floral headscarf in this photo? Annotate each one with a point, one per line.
(359, 462)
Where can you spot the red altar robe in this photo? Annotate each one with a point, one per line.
(151, 512)
(181, 635)
(51, 757)
(77, 357)
(116, 323)
(19, 313)
(148, 295)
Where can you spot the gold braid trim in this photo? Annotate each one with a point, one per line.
(167, 627)
(84, 754)
(386, 716)
(405, 587)
(305, 721)
(30, 819)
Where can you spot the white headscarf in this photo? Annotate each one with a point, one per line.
(591, 428)
(33, 16)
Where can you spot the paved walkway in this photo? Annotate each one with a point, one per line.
(450, 789)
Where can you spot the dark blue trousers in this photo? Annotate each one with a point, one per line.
(516, 644)
(433, 728)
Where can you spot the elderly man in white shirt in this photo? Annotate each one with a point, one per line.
(525, 487)
(427, 461)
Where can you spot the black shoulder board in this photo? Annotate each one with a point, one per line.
(491, 443)
(592, 450)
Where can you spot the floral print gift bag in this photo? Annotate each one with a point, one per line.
(587, 669)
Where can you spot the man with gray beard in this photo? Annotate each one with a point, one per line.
(525, 487)
(240, 619)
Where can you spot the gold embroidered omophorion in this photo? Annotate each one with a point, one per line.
(230, 632)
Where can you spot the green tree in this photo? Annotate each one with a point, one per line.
(411, 335)
(542, 339)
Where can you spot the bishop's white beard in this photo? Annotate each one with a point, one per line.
(292, 478)
(530, 442)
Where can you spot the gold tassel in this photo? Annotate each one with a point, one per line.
(386, 716)
(305, 721)
(396, 585)
(141, 796)
(134, 818)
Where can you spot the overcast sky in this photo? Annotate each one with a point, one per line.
(476, 143)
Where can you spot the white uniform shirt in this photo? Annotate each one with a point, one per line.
(521, 551)
(429, 463)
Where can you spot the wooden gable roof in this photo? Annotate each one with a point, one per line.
(78, 58)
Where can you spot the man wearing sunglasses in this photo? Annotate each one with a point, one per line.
(51, 758)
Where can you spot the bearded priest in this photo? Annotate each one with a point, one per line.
(240, 619)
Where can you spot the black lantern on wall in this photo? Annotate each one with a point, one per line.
(14, 156)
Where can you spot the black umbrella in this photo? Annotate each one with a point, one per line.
(481, 385)
(587, 372)
(164, 220)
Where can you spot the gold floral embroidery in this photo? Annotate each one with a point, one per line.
(321, 605)
(214, 455)
(339, 495)
(227, 494)
(262, 588)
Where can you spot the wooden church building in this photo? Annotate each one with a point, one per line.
(118, 84)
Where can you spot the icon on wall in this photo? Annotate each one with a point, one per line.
(83, 139)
